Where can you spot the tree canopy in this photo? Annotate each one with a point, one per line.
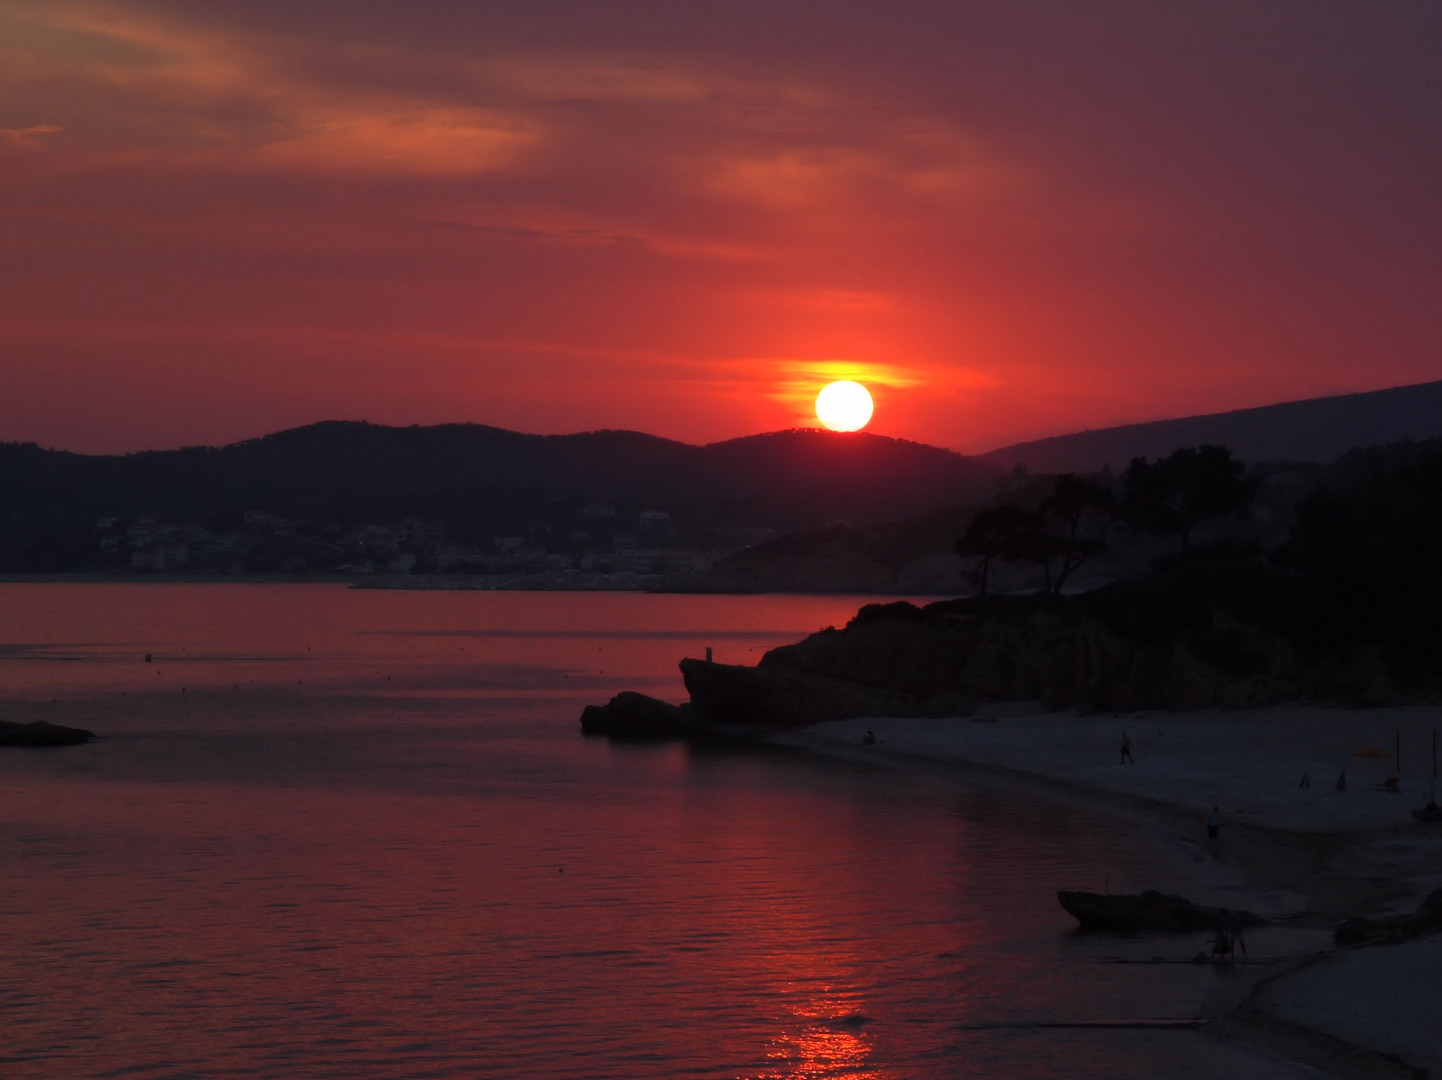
(1076, 515)
(1008, 532)
(1192, 485)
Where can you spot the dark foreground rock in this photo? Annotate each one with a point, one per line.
(728, 697)
(629, 715)
(1064, 653)
(783, 697)
(1150, 910)
(1427, 919)
(42, 733)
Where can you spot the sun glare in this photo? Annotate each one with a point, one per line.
(844, 406)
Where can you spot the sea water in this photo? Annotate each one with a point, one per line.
(357, 833)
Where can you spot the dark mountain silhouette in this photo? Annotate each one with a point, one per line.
(476, 480)
(827, 476)
(1319, 430)
(481, 483)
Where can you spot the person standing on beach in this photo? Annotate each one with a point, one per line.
(1214, 823)
(1127, 749)
(1232, 926)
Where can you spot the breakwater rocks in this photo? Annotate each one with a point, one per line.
(42, 733)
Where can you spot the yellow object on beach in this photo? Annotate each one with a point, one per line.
(1371, 751)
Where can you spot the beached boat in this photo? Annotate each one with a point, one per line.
(1150, 910)
(1431, 812)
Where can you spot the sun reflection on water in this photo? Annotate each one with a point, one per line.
(829, 1040)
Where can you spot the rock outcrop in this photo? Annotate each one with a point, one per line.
(1231, 634)
(1031, 649)
(1221, 634)
(42, 733)
(780, 697)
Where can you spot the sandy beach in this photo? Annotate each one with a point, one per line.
(1295, 843)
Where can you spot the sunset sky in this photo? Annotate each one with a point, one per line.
(1008, 219)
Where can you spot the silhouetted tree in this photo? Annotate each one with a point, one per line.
(1076, 515)
(1007, 532)
(1368, 548)
(1194, 484)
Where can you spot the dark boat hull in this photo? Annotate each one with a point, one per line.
(1149, 910)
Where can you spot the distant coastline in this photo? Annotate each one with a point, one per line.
(578, 582)
(97, 577)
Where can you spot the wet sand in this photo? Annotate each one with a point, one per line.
(1292, 844)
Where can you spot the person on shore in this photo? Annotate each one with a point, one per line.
(1221, 945)
(1232, 927)
(869, 739)
(1214, 823)
(1127, 749)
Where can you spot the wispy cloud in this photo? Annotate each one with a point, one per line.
(31, 137)
(171, 91)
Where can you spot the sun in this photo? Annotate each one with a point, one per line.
(844, 406)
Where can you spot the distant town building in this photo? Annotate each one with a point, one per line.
(160, 557)
(265, 521)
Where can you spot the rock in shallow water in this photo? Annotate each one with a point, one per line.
(629, 715)
(42, 733)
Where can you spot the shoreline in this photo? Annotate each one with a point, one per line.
(1310, 855)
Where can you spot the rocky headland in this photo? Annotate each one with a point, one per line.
(1209, 635)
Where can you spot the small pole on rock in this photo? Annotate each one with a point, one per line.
(708, 654)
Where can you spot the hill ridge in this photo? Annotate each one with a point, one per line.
(1317, 429)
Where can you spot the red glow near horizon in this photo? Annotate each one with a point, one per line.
(221, 222)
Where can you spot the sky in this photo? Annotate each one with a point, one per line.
(1008, 219)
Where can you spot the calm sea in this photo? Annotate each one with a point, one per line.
(340, 833)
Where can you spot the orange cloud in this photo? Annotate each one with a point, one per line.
(29, 137)
(228, 101)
